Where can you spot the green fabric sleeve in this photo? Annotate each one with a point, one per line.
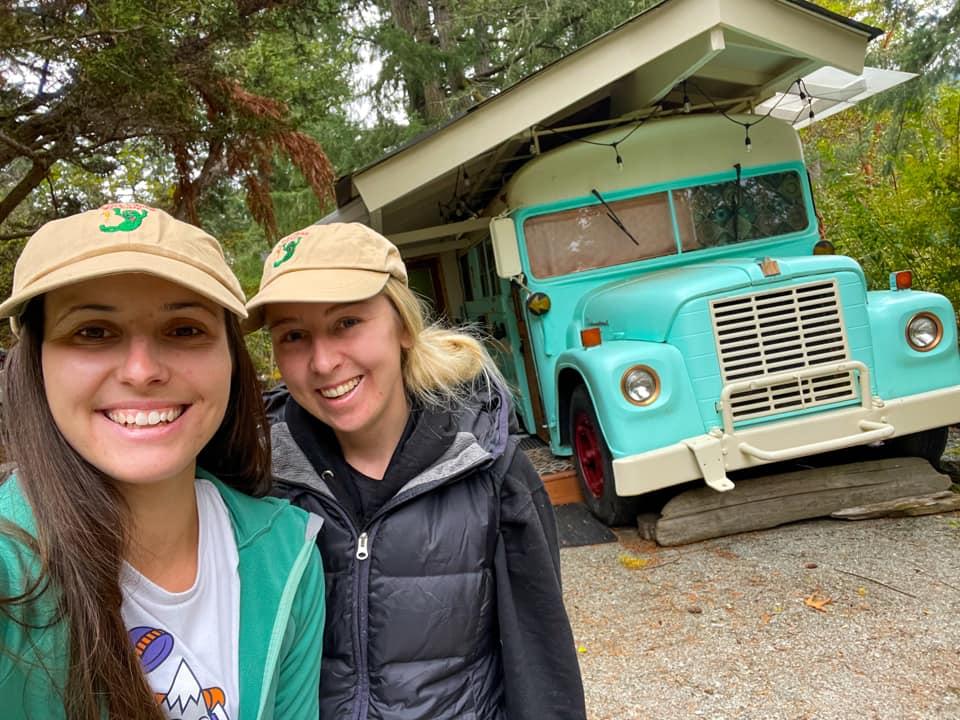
(298, 684)
(7, 624)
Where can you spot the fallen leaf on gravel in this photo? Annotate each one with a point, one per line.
(632, 562)
(861, 591)
(766, 618)
(817, 602)
(639, 545)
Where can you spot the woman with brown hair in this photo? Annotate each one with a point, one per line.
(138, 577)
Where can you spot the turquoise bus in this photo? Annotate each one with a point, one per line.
(673, 314)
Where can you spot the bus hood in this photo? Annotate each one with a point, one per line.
(645, 307)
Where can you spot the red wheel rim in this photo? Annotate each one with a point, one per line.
(586, 443)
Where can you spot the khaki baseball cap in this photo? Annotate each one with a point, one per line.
(121, 238)
(337, 262)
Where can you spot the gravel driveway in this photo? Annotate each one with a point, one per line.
(819, 619)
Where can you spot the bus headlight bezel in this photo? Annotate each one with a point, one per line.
(633, 379)
(910, 331)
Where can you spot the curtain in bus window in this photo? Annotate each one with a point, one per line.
(762, 207)
(586, 238)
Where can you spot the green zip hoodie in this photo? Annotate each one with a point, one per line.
(281, 614)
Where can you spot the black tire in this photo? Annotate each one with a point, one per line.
(594, 465)
(928, 444)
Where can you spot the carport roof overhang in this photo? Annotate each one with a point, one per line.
(734, 52)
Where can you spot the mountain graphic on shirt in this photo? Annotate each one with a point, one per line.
(187, 700)
(217, 712)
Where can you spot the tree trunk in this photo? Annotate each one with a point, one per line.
(36, 175)
(448, 43)
(214, 168)
(426, 97)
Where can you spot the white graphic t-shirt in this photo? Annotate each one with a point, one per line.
(187, 641)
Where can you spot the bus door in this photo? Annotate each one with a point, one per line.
(490, 302)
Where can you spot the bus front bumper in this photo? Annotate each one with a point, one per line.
(711, 456)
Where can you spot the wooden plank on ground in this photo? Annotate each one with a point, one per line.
(563, 487)
(765, 502)
(914, 506)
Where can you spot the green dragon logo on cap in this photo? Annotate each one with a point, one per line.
(131, 220)
(288, 250)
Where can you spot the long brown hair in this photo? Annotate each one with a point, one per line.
(82, 522)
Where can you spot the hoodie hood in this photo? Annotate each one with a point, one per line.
(445, 443)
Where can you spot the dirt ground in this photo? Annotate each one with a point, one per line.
(825, 619)
(818, 619)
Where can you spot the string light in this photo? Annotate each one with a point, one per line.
(804, 93)
(748, 144)
(687, 107)
(456, 207)
(615, 144)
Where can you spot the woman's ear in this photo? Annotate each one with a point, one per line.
(406, 337)
(403, 331)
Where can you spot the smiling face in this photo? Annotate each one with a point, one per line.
(137, 374)
(342, 363)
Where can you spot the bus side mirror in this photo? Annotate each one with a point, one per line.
(506, 250)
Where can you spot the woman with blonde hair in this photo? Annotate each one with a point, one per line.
(439, 541)
(139, 578)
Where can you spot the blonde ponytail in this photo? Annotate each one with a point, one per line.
(444, 366)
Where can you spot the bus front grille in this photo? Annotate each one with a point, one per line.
(778, 331)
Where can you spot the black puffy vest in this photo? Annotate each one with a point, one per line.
(411, 631)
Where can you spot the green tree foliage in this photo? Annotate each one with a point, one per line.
(888, 172)
(895, 213)
(439, 57)
(161, 97)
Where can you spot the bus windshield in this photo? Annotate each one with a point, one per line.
(711, 215)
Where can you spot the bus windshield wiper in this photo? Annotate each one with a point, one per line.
(737, 200)
(613, 216)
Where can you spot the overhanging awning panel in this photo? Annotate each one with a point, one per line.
(633, 66)
(830, 90)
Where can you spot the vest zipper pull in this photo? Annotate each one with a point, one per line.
(362, 553)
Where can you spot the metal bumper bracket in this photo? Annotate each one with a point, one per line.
(709, 453)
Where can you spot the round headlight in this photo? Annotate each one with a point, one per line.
(924, 332)
(640, 385)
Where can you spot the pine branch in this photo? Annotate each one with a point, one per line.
(7, 237)
(60, 39)
(19, 147)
